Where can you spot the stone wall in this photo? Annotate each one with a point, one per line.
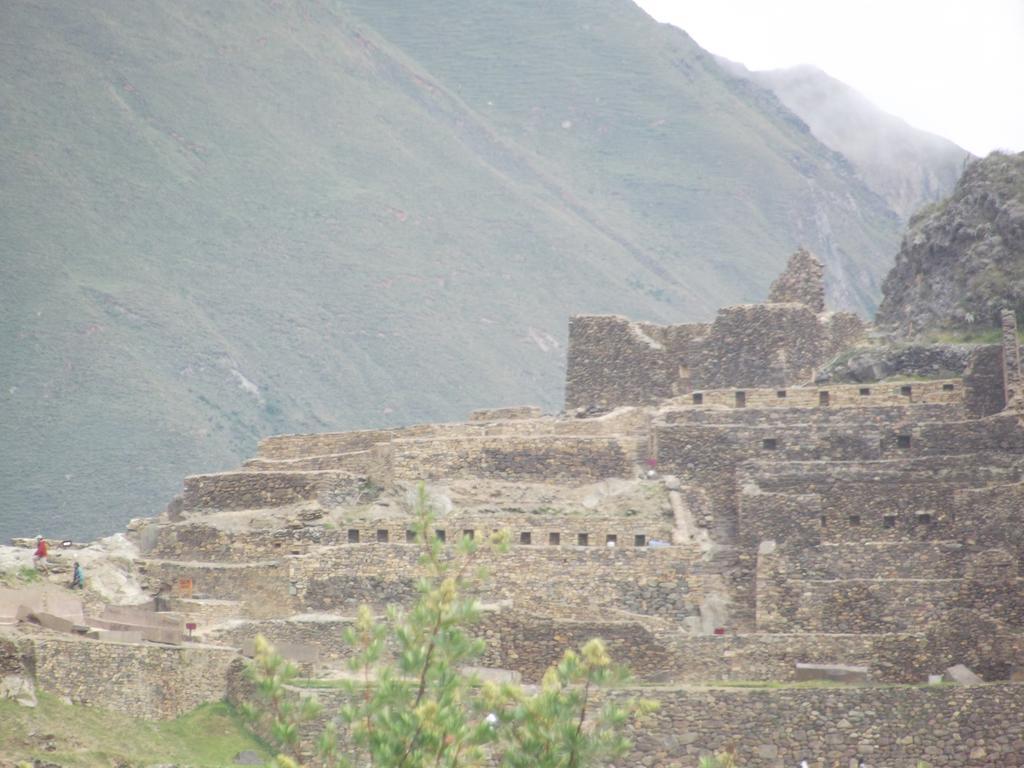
(257, 490)
(528, 644)
(983, 381)
(328, 443)
(892, 658)
(948, 727)
(508, 412)
(980, 366)
(708, 455)
(524, 643)
(877, 560)
(999, 433)
(615, 361)
(761, 345)
(889, 727)
(548, 579)
(891, 500)
(263, 588)
(1013, 381)
(531, 644)
(575, 460)
(199, 542)
(992, 517)
(324, 632)
(545, 580)
(148, 681)
(835, 396)
(773, 410)
(855, 605)
(355, 462)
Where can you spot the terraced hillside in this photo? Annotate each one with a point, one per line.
(223, 221)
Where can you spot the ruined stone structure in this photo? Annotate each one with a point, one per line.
(614, 361)
(703, 507)
(803, 282)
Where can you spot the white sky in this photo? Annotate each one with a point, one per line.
(952, 67)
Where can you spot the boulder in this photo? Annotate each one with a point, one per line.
(960, 674)
(836, 673)
(20, 688)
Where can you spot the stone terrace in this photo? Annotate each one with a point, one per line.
(709, 533)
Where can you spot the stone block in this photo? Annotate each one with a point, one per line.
(837, 673)
(300, 653)
(159, 635)
(494, 674)
(46, 599)
(56, 623)
(167, 635)
(143, 617)
(10, 601)
(959, 673)
(117, 635)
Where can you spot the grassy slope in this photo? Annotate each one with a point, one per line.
(372, 214)
(84, 737)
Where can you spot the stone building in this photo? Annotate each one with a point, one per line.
(614, 361)
(703, 507)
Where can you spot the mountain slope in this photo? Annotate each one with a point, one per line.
(907, 166)
(962, 259)
(222, 221)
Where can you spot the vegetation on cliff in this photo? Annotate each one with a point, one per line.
(962, 259)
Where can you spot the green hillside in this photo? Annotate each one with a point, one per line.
(219, 221)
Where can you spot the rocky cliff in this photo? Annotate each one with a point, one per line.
(962, 259)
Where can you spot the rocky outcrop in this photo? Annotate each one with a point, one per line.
(929, 361)
(962, 260)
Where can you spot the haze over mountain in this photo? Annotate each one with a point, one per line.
(221, 221)
(907, 166)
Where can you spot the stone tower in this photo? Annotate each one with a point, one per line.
(802, 283)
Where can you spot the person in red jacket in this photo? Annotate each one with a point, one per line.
(39, 558)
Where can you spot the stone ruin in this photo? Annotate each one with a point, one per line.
(616, 362)
(703, 506)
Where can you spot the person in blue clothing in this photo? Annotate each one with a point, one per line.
(77, 581)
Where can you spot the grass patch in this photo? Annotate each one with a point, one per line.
(965, 336)
(771, 684)
(85, 737)
(23, 575)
